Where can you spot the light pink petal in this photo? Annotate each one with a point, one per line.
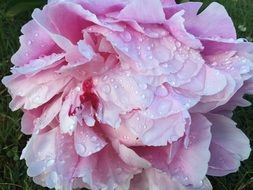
(187, 166)
(47, 160)
(34, 38)
(68, 122)
(122, 134)
(176, 26)
(38, 65)
(129, 156)
(123, 89)
(217, 17)
(156, 132)
(144, 11)
(215, 81)
(50, 111)
(87, 140)
(27, 121)
(228, 147)
(105, 169)
(156, 180)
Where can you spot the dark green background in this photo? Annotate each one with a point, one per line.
(13, 14)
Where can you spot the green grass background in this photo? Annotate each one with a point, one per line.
(13, 14)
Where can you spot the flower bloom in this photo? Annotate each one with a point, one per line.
(130, 94)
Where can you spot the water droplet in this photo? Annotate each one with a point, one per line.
(138, 47)
(126, 137)
(126, 36)
(36, 34)
(80, 148)
(112, 80)
(186, 179)
(115, 86)
(150, 57)
(105, 78)
(78, 88)
(140, 39)
(164, 108)
(89, 121)
(107, 89)
(137, 118)
(94, 139)
(98, 147)
(173, 138)
(71, 127)
(214, 64)
(143, 96)
(165, 65)
(29, 42)
(26, 54)
(145, 127)
(178, 44)
(126, 49)
(149, 48)
(50, 162)
(143, 86)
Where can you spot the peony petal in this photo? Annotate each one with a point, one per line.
(106, 170)
(148, 11)
(157, 180)
(176, 26)
(187, 166)
(228, 147)
(87, 141)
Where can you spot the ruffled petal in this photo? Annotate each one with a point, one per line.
(148, 11)
(228, 147)
(187, 166)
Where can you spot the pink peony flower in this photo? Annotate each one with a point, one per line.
(130, 94)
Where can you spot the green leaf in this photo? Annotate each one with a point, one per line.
(25, 5)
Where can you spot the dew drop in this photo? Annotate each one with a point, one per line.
(50, 162)
(186, 179)
(178, 44)
(126, 137)
(126, 49)
(164, 108)
(36, 34)
(126, 36)
(89, 121)
(107, 89)
(138, 47)
(80, 148)
(78, 88)
(150, 57)
(165, 65)
(29, 42)
(105, 78)
(143, 86)
(93, 139)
